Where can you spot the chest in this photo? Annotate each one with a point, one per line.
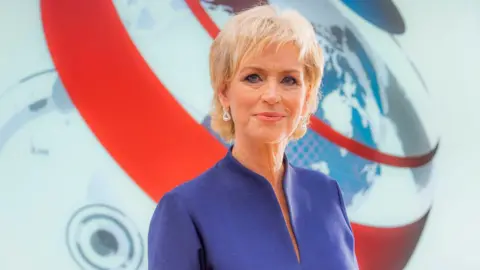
(255, 232)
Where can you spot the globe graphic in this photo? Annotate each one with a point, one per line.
(344, 90)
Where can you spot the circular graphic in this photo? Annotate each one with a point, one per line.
(144, 92)
(49, 157)
(101, 237)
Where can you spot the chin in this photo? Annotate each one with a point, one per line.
(268, 135)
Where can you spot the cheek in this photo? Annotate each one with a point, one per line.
(242, 101)
(295, 105)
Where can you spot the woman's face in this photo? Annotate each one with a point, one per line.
(267, 95)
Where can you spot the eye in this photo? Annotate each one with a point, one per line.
(289, 80)
(253, 78)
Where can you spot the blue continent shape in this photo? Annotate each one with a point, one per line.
(354, 174)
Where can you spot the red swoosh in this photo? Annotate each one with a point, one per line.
(387, 248)
(128, 109)
(322, 128)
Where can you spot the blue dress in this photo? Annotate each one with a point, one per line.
(229, 218)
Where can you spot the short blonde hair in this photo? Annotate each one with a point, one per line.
(248, 33)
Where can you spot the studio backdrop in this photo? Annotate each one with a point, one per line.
(105, 108)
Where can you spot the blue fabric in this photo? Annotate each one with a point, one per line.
(228, 218)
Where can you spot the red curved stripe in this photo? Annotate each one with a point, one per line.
(322, 128)
(367, 152)
(203, 18)
(386, 248)
(128, 109)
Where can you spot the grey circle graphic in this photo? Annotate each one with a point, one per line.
(102, 237)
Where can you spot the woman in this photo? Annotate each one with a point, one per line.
(253, 210)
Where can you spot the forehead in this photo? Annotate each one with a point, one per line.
(275, 57)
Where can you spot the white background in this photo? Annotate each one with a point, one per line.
(442, 39)
(445, 46)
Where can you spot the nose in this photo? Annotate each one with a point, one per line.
(271, 95)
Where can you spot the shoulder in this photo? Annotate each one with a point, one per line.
(315, 179)
(194, 190)
(178, 205)
(322, 186)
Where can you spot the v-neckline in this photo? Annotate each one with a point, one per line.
(288, 219)
(286, 182)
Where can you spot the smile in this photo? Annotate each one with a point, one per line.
(270, 117)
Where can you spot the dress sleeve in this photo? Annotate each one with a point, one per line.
(173, 242)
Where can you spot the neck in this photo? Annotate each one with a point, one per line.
(265, 159)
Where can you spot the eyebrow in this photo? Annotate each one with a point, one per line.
(253, 67)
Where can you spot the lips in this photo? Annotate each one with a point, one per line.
(270, 116)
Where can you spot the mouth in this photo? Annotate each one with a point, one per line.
(270, 116)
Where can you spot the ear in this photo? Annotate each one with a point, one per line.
(222, 96)
(305, 109)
